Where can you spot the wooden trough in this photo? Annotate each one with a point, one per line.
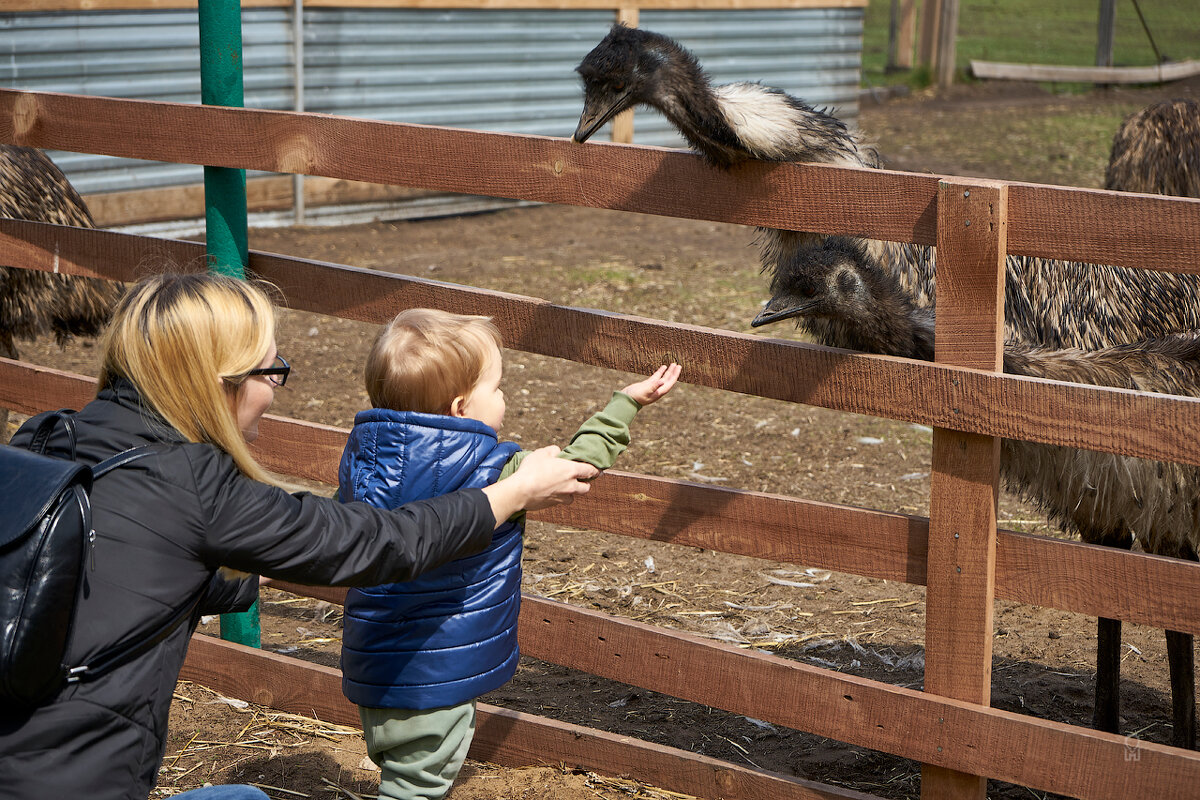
(958, 553)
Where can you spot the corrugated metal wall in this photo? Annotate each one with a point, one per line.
(488, 70)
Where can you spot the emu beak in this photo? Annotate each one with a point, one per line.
(595, 114)
(773, 313)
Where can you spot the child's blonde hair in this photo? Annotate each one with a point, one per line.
(425, 358)
(186, 341)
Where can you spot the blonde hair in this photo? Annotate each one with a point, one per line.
(186, 341)
(425, 358)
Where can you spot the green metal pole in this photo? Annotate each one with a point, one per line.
(225, 198)
(221, 85)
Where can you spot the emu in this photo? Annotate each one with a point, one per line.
(1048, 303)
(1157, 151)
(1058, 304)
(33, 302)
(844, 298)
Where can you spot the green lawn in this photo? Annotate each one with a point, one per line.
(1036, 31)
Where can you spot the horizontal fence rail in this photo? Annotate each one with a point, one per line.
(1141, 424)
(501, 736)
(1087, 225)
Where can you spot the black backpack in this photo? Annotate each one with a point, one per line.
(46, 538)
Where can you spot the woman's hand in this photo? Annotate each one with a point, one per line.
(653, 388)
(541, 481)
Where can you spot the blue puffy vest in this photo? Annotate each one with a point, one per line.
(450, 635)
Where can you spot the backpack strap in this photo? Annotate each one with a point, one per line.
(124, 457)
(41, 436)
(124, 652)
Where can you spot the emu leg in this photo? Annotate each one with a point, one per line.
(1107, 709)
(1106, 713)
(1183, 688)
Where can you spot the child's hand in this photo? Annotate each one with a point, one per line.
(654, 387)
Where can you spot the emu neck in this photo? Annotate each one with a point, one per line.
(686, 98)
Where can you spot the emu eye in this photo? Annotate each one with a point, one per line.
(619, 86)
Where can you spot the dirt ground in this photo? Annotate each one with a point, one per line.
(706, 274)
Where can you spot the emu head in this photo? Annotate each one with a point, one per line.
(830, 279)
(621, 72)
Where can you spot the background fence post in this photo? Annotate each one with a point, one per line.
(622, 124)
(225, 198)
(972, 238)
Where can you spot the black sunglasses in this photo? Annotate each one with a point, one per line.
(280, 367)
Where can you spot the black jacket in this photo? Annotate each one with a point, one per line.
(165, 524)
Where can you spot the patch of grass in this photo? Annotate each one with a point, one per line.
(1066, 147)
(1033, 31)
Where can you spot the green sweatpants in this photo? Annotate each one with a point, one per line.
(418, 752)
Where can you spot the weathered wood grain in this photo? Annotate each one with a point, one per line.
(501, 736)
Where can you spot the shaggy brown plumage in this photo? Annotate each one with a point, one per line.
(839, 293)
(35, 303)
(1157, 151)
(32, 302)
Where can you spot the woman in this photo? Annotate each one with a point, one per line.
(190, 361)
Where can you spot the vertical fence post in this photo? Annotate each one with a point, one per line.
(225, 197)
(964, 484)
(900, 36)
(622, 124)
(947, 39)
(298, 93)
(931, 19)
(1105, 27)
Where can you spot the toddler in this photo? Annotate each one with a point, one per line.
(415, 655)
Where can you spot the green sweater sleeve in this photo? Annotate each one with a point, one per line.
(598, 441)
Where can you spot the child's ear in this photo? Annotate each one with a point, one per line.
(456, 406)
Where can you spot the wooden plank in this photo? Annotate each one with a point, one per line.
(517, 739)
(947, 40)
(972, 240)
(931, 19)
(262, 194)
(712, 5)
(1037, 570)
(1157, 73)
(948, 733)
(965, 477)
(905, 33)
(1105, 28)
(622, 124)
(501, 736)
(1095, 226)
(889, 205)
(1099, 227)
(972, 401)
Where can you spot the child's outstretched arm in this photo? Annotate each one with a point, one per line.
(653, 388)
(605, 435)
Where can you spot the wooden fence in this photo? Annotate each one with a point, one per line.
(958, 554)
